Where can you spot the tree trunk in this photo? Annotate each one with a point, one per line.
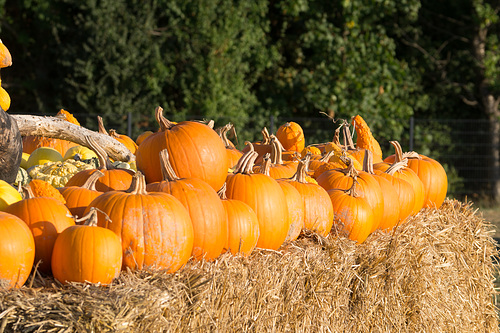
(53, 127)
(11, 147)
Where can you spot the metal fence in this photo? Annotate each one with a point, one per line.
(461, 145)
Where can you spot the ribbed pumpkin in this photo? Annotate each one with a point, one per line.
(367, 187)
(264, 195)
(295, 204)
(318, 212)
(8, 195)
(155, 228)
(114, 179)
(87, 253)
(430, 172)
(204, 206)
(404, 172)
(233, 154)
(127, 141)
(352, 213)
(17, 250)
(79, 197)
(196, 151)
(390, 217)
(243, 225)
(47, 218)
(291, 136)
(31, 142)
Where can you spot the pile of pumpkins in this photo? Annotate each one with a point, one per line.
(191, 194)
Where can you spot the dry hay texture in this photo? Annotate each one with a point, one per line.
(435, 273)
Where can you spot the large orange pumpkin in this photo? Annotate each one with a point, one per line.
(46, 218)
(87, 253)
(430, 172)
(155, 228)
(264, 195)
(196, 151)
(204, 206)
(17, 250)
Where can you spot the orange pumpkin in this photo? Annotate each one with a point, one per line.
(204, 206)
(196, 151)
(318, 212)
(79, 197)
(430, 172)
(5, 56)
(365, 138)
(142, 137)
(294, 203)
(113, 179)
(353, 214)
(264, 195)
(41, 188)
(243, 226)
(17, 250)
(291, 136)
(404, 172)
(155, 228)
(277, 167)
(46, 218)
(87, 253)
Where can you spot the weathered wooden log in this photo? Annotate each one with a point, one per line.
(53, 127)
(11, 147)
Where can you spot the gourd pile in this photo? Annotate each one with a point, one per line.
(192, 195)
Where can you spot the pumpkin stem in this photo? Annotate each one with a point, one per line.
(100, 125)
(223, 131)
(164, 123)
(327, 156)
(265, 166)
(222, 192)
(266, 138)
(396, 166)
(352, 190)
(368, 162)
(104, 161)
(276, 150)
(246, 161)
(90, 182)
(138, 185)
(27, 192)
(348, 142)
(167, 172)
(91, 217)
(301, 173)
(399, 151)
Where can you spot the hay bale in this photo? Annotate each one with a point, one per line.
(435, 273)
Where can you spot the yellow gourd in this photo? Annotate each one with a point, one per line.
(8, 195)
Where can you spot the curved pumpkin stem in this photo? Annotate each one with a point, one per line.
(164, 123)
(222, 192)
(276, 150)
(265, 166)
(396, 166)
(352, 190)
(27, 192)
(247, 161)
(301, 173)
(266, 138)
(167, 172)
(399, 155)
(138, 185)
(100, 125)
(91, 217)
(104, 161)
(346, 133)
(368, 162)
(90, 182)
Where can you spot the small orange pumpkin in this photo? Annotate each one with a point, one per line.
(291, 136)
(79, 197)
